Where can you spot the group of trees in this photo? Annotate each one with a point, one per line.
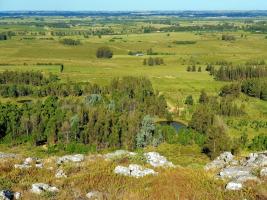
(255, 88)
(193, 68)
(70, 42)
(3, 37)
(104, 52)
(27, 78)
(117, 117)
(233, 73)
(207, 119)
(153, 61)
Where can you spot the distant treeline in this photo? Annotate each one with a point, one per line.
(234, 73)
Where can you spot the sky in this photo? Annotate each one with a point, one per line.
(115, 5)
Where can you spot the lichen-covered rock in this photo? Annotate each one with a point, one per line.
(60, 174)
(156, 160)
(70, 158)
(7, 155)
(118, 154)
(246, 178)
(134, 170)
(234, 186)
(263, 172)
(235, 172)
(95, 195)
(256, 160)
(221, 161)
(38, 188)
(22, 166)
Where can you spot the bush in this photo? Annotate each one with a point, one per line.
(104, 52)
(70, 42)
(259, 143)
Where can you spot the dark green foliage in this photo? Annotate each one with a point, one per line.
(110, 117)
(70, 42)
(189, 100)
(184, 42)
(190, 137)
(233, 89)
(104, 52)
(203, 97)
(217, 139)
(255, 88)
(259, 143)
(230, 73)
(202, 119)
(3, 37)
(153, 61)
(27, 78)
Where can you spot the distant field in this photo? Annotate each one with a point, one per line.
(176, 48)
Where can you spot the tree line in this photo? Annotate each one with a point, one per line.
(117, 118)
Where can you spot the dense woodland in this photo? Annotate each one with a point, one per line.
(114, 116)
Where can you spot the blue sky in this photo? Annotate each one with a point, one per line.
(133, 5)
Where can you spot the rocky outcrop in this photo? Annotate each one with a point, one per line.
(156, 160)
(70, 158)
(239, 171)
(29, 162)
(38, 188)
(221, 161)
(134, 170)
(234, 172)
(234, 186)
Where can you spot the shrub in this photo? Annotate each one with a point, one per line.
(259, 143)
(70, 42)
(104, 52)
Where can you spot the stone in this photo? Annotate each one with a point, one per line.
(39, 165)
(118, 154)
(156, 160)
(246, 178)
(234, 186)
(22, 166)
(263, 172)
(235, 172)
(134, 170)
(17, 195)
(6, 195)
(38, 188)
(60, 174)
(95, 195)
(221, 161)
(29, 160)
(70, 158)
(257, 160)
(7, 155)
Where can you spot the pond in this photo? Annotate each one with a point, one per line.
(174, 124)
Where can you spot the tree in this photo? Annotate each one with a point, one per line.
(104, 52)
(189, 100)
(203, 97)
(217, 139)
(145, 136)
